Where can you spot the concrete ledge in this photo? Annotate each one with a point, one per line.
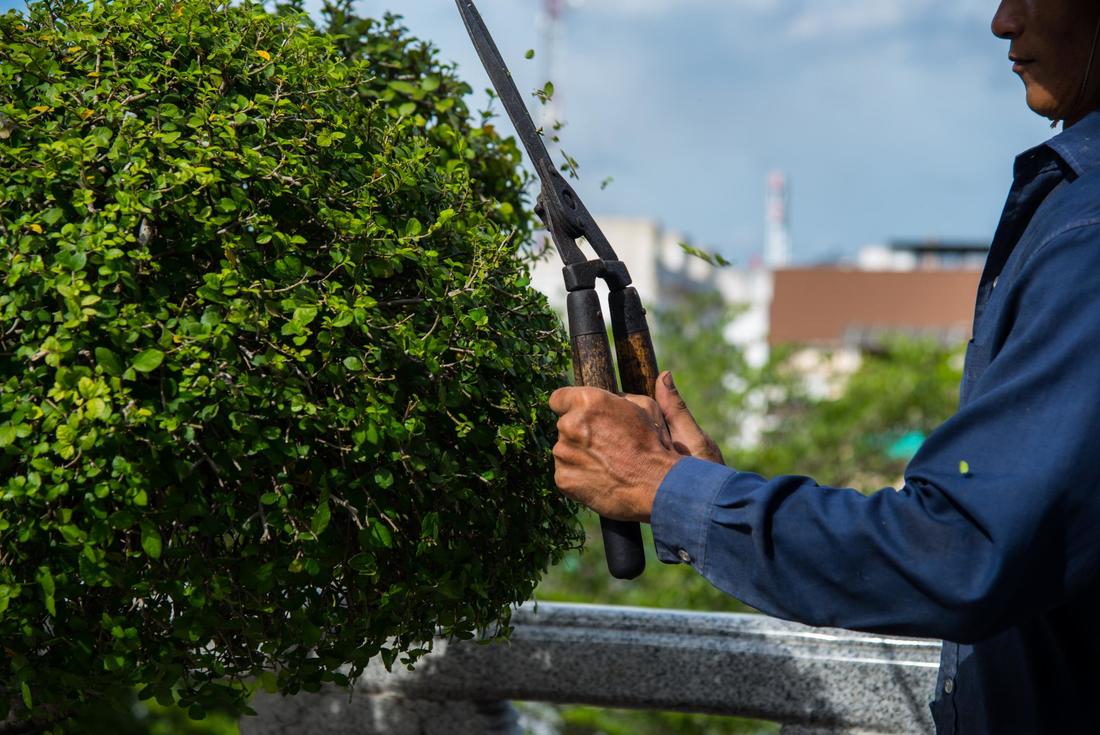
(810, 680)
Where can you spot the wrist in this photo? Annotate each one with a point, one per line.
(648, 495)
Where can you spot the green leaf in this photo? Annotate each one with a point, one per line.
(71, 533)
(26, 691)
(380, 534)
(530, 54)
(964, 467)
(72, 260)
(480, 316)
(51, 216)
(7, 435)
(353, 363)
(364, 563)
(150, 540)
(95, 408)
(46, 582)
(148, 361)
(108, 361)
(321, 518)
(713, 259)
(304, 315)
(403, 87)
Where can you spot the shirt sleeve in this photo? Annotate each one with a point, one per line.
(953, 554)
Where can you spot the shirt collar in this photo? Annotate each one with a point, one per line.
(1079, 146)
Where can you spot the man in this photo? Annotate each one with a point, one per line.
(993, 543)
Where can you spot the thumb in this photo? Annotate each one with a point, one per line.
(687, 436)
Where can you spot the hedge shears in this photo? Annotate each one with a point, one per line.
(567, 219)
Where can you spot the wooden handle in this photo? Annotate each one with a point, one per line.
(592, 366)
(633, 344)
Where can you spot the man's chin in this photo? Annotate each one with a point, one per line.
(1042, 105)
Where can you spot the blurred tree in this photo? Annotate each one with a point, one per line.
(711, 374)
(865, 436)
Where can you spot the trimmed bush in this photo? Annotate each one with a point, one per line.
(272, 378)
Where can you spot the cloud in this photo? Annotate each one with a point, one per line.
(848, 17)
(627, 9)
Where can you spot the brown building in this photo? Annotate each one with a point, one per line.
(835, 307)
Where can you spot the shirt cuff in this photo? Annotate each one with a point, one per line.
(682, 510)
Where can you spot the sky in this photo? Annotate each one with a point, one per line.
(893, 119)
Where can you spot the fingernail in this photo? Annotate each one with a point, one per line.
(668, 382)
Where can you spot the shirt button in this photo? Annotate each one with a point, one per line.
(948, 686)
(685, 557)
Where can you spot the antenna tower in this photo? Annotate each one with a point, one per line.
(777, 248)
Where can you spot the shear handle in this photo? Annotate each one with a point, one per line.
(592, 366)
(638, 369)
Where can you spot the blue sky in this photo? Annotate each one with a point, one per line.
(893, 118)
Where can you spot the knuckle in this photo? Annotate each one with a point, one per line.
(587, 397)
(561, 480)
(567, 426)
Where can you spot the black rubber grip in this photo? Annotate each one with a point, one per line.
(592, 366)
(622, 543)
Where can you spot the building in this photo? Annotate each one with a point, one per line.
(850, 308)
(923, 256)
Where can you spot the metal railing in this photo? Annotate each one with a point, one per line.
(810, 680)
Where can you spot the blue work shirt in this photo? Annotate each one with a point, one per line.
(993, 543)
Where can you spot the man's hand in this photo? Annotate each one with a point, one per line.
(687, 437)
(611, 453)
(614, 451)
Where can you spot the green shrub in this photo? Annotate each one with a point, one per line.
(272, 378)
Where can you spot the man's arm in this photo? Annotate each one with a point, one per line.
(952, 554)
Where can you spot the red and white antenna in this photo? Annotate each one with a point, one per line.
(777, 249)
